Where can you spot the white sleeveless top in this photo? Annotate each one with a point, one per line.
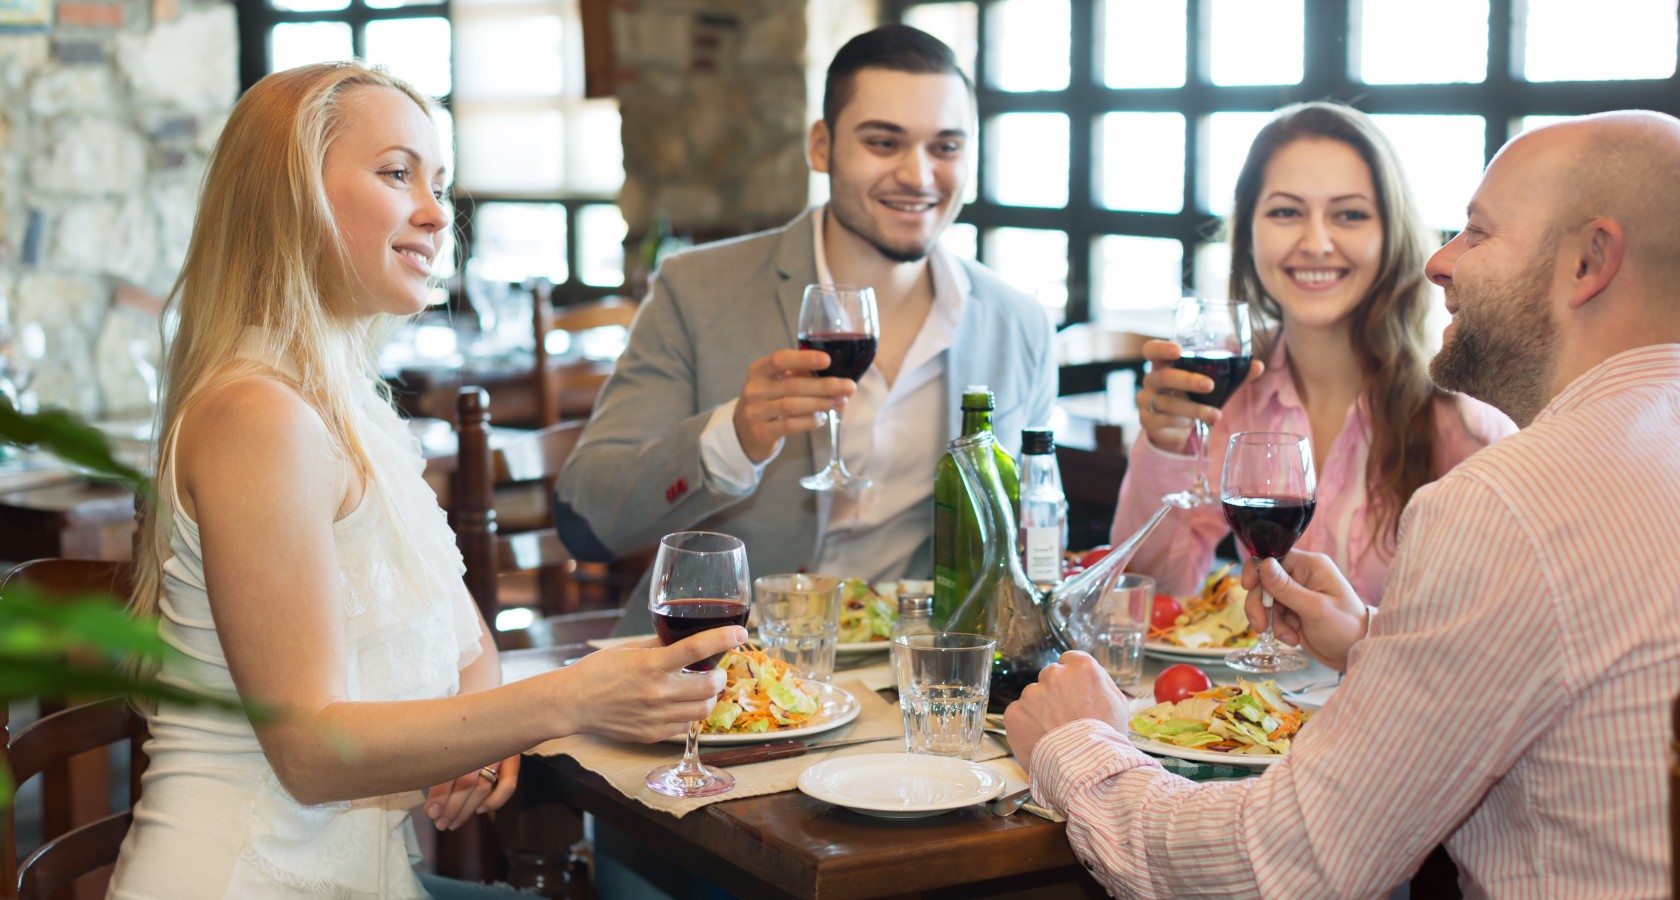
(213, 819)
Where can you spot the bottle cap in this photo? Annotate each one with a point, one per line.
(915, 604)
(977, 397)
(1038, 440)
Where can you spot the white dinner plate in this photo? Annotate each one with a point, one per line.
(1174, 651)
(836, 707)
(900, 785)
(1160, 748)
(863, 647)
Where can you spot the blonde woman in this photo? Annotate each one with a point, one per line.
(295, 554)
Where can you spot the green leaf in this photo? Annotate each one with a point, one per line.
(68, 438)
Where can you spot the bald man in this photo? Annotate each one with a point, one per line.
(1512, 699)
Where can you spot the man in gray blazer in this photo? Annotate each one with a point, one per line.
(712, 416)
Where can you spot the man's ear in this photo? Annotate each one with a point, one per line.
(817, 147)
(1598, 250)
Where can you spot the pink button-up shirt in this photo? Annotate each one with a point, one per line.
(1180, 551)
(1512, 698)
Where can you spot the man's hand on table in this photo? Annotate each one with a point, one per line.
(1073, 689)
(639, 692)
(782, 397)
(1317, 610)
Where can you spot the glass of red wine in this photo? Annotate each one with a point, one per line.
(842, 322)
(1268, 491)
(1215, 340)
(699, 583)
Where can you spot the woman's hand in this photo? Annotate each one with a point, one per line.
(639, 692)
(450, 805)
(1167, 415)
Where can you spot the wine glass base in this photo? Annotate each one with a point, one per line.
(826, 480)
(666, 780)
(1267, 662)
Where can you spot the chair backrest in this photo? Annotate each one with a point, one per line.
(517, 477)
(1086, 353)
(80, 833)
(574, 318)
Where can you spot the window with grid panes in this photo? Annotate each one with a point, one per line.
(537, 166)
(1111, 131)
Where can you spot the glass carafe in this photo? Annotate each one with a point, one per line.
(1002, 604)
(1069, 607)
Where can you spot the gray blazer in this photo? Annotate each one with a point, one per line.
(636, 474)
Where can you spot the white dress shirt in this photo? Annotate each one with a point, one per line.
(871, 533)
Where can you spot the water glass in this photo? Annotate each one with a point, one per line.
(799, 620)
(944, 680)
(1119, 624)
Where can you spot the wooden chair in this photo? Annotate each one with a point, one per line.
(80, 833)
(1086, 353)
(583, 380)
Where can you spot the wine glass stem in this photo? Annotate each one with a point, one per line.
(1201, 487)
(834, 461)
(1266, 642)
(689, 771)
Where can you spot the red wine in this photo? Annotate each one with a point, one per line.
(849, 353)
(1268, 526)
(1227, 370)
(677, 619)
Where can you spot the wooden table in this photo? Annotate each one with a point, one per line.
(76, 518)
(429, 392)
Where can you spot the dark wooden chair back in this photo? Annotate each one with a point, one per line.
(66, 746)
(552, 386)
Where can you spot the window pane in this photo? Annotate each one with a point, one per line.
(1143, 43)
(1256, 42)
(415, 50)
(1030, 159)
(1142, 161)
(961, 239)
(310, 5)
(1033, 260)
(515, 241)
(1225, 145)
(957, 24)
(601, 232)
(508, 56)
(1393, 35)
(1029, 45)
(301, 43)
(1615, 39)
(1135, 274)
(1212, 274)
(511, 152)
(595, 149)
(1443, 159)
(1529, 122)
(394, 4)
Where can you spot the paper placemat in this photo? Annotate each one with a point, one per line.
(624, 766)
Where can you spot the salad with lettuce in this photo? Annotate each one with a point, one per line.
(866, 613)
(1213, 619)
(1251, 718)
(762, 694)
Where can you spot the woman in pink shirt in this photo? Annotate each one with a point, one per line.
(1328, 250)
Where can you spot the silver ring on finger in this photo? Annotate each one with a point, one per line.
(491, 775)
(1152, 398)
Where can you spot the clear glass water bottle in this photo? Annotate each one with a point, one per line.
(1043, 509)
(915, 616)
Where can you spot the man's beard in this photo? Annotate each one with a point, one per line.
(1503, 345)
(896, 254)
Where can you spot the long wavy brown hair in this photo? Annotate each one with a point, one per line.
(1388, 327)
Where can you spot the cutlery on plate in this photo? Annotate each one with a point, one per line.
(1009, 803)
(740, 756)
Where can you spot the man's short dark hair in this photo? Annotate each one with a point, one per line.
(896, 48)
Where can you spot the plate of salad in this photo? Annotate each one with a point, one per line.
(1246, 724)
(765, 699)
(1207, 626)
(867, 613)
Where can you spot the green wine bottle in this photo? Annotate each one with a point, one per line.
(957, 540)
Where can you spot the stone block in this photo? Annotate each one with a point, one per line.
(175, 205)
(73, 89)
(21, 55)
(128, 339)
(164, 10)
(775, 37)
(81, 53)
(69, 309)
(115, 237)
(90, 15)
(88, 157)
(174, 128)
(191, 62)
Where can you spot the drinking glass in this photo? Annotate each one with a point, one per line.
(842, 322)
(699, 583)
(1120, 624)
(1215, 339)
(944, 680)
(1268, 490)
(799, 620)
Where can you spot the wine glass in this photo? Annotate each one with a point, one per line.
(699, 583)
(840, 321)
(1215, 339)
(1268, 492)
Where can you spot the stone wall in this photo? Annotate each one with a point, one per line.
(714, 99)
(105, 121)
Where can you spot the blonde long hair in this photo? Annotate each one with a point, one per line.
(265, 251)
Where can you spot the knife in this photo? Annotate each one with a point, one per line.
(740, 756)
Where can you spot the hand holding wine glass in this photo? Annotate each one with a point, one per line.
(1269, 492)
(699, 582)
(843, 323)
(1215, 342)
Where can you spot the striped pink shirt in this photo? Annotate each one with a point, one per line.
(1512, 699)
(1179, 553)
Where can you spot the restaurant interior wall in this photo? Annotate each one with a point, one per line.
(107, 110)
